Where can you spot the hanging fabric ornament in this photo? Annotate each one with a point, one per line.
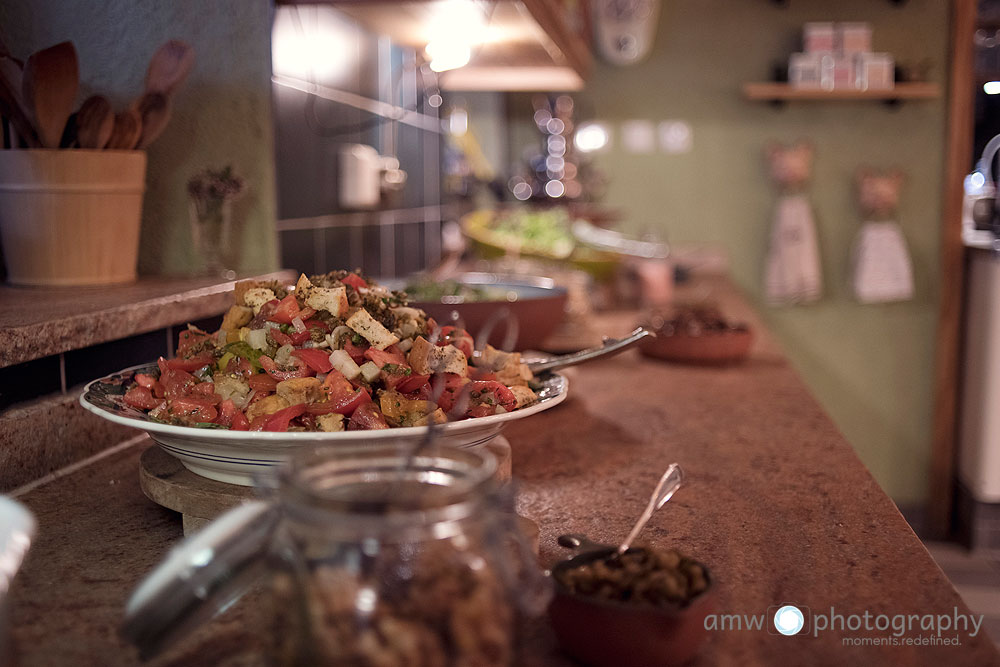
(792, 274)
(881, 269)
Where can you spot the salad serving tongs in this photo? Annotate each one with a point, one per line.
(610, 347)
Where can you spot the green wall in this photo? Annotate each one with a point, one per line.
(222, 115)
(870, 366)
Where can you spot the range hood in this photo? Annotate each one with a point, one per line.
(515, 45)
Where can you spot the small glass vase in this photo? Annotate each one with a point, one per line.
(211, 233)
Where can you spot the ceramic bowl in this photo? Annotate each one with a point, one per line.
(604, 633)
(536, 303)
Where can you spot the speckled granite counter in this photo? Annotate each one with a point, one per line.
(777, 504)
(37, 322)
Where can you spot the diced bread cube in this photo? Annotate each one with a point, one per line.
(266, 406)
(448, 359)
(331, 299)
(524, 395)
(330, 422)
(371, 329)
(438, 416)
(419, 356)
(236, 317)
(255, 297)
(299, 390)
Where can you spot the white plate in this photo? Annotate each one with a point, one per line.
(235, 456)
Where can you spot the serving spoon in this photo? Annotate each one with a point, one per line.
(610, 347)
(665, 489)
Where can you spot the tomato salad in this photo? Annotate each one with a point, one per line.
(337, 352)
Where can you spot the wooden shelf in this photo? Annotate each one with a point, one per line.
(782, 92)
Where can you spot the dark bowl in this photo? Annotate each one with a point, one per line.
(535, 303)
(605, 633)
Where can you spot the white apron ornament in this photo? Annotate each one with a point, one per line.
(881, 269)
(792, 274)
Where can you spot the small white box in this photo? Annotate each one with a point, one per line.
(843, 73)
(819, 38)
(875, 71)
(854, 38)
(804, 70)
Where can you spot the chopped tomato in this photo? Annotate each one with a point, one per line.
(279, 420)
(318, 360)
(481, 374)
(141, 397)
(266, 311)
(206, 391)
(480, 411)
(413, 383)
(390, 355)
(460, 338)
(299, 337)
(357, 352)
(188, 339)
(193, 409)
(336, 385)
(344, 404)
(258, 423)
(367, 417)
(280, 338)
(432, 325)
(306, 313)
(315, 324)
(453, 384)
(240, 422)
(240, 367)
(354, 280)
(227, 412)
(150, 383)
(301, 369)
(191, 364)
(262, 382)
(176, 383)
(287, 310)
(489, 393)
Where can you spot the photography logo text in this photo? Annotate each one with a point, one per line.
(863, 628)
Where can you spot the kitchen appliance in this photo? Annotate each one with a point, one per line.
(979, 441)
(625, 29)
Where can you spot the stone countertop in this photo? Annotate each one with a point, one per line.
(37, 322)
(776, 504)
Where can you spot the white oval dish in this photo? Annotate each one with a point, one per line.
(235, 457)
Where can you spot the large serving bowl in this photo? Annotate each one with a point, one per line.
(236, 456)
(490, 245)
(536, 303)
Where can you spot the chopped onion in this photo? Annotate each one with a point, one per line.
(221, 337)
(298, 324)
(271, 325)
(343, 362)
(257, 339)
(405, 344)
(284, 355)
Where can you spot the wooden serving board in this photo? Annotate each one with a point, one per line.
(198, 499)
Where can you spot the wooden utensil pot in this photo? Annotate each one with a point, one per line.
(71, 217)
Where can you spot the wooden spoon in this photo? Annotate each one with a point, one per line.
(51, 78)
(126, 132)
(154, 108)
(94, 122)
(168, 67)
(12, 102)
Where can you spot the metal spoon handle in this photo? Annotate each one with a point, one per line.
(611, 346)
(667, 486)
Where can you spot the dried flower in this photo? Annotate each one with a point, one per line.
(220, 185)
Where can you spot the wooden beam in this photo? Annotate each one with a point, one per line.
(947, 371)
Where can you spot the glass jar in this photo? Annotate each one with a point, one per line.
(373, 557)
